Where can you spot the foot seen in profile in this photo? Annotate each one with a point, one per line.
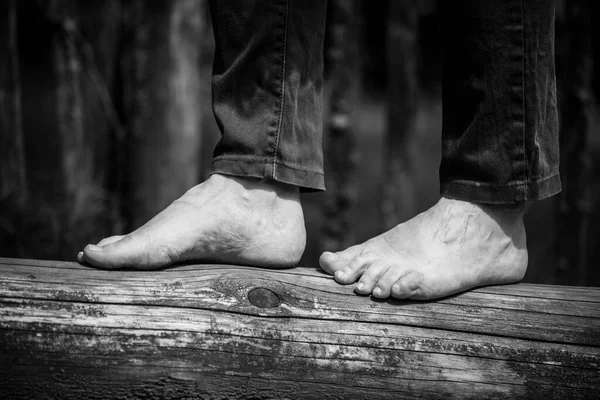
(452, 247)
(226, 219)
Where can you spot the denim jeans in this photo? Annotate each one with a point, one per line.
(500, 127)
(267, 89)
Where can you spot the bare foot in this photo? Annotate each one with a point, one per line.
(225, 219)
(452, 247)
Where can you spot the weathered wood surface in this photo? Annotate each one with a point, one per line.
(219, 331)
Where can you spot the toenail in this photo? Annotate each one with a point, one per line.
(360, 285)
(339, 273)
(93, 247)
(80, 254)
(377, 291)
(396, 288)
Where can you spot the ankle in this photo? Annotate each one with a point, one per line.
(513, 210)
(254, 185)
(505, 213)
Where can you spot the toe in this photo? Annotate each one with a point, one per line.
(104, 242)
(350, 252)
(353, 270)
(370, 277)
(131, 251)
(331, 262)
(407, 286)
(383, 287)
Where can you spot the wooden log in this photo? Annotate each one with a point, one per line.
(222, 331)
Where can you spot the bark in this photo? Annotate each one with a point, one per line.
(162, 102)
(341, 154)
(398, 189)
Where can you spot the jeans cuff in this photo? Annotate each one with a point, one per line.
(477, 192)
(307, 181)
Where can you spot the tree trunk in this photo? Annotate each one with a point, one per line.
(575, 202)
(71, 194)
(162, 102)
(341, 154)
(398, 189)
(13, 176)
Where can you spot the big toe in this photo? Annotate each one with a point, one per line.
(110, 240)
(131, 251)
(106, 241)
(332, 262)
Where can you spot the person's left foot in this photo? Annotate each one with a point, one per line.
(452, 247)
(225, 219)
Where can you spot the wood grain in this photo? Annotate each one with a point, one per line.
(222, 331)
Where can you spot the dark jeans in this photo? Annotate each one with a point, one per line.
(500, 127)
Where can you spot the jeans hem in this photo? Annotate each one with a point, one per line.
(306, 180)
(477, 192)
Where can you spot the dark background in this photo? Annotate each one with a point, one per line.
(105, 118)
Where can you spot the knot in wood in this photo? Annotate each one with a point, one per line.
(263, 298)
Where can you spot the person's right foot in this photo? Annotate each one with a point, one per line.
(225, 219)
(452, 247)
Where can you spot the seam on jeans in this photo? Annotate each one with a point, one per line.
(498, 185)
(305, 186)
(282, 99)
(524, 109)
(537, 190)
(254, 160)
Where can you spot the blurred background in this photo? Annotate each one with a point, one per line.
(105, 118)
